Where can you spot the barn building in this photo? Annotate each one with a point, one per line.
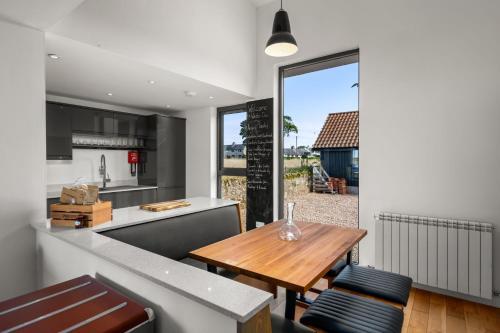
(338, 145)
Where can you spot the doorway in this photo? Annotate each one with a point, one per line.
(319, 145)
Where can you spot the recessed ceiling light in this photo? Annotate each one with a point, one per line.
(53, 56)
(168, 106)
(190, 93)
(151, 82)
(211, 97)
(109, 94)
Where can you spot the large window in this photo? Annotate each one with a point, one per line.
(232, 155)
(319, 139)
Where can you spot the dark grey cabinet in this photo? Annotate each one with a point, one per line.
(59, 135)
(163, 161)
(126, 124)
(129, 198)
(171, 150)
(122, 199)
(50, 202)
(166, 194)
(142, 126)
(92, 121)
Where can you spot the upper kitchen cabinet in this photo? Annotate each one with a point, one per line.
(126, 124)
(58, 126)
(143, 126)
(131, 125)
(92, 121)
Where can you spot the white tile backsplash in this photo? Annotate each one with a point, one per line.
(85, 164)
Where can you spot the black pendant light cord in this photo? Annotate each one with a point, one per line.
(281, 6)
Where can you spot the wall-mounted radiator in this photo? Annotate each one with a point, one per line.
(449, 254)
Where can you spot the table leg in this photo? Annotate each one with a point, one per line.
(349, 258)
(212, 268)
(291, 298)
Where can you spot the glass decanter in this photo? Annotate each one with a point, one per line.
(289, 231)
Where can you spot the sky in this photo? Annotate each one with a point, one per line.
(309, 98)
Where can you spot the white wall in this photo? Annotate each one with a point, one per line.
(174, 313)
(210, 41)
(86, 163)
(22, 147)
(429, 101)
(201, 150)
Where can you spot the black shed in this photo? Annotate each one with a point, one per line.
(338, 144)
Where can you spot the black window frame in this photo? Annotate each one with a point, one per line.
(302, 67)
(221, 171)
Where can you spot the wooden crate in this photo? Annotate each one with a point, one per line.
(64, 215)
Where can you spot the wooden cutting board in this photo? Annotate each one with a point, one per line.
(167, 205)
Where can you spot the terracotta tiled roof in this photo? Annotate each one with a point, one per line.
(339, 131)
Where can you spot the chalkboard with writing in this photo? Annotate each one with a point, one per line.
(259, 145)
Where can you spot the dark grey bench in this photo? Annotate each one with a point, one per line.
(373, 282)
(175, 237)
(335, 311)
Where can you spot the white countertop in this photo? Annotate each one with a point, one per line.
(56, 193)
(134, 215)
(231, 298)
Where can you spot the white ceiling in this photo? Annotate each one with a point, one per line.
(117, 46)
(259, 3)
(88, 72)
(39, 14)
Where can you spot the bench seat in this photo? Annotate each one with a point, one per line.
(336, 269)
(373, 282)
(335, 311)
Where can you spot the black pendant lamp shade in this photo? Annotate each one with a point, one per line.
(281, 43)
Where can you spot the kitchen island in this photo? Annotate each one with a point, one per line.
(185, 298)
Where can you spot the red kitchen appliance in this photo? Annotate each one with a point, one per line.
(133, 159)
(77, 306)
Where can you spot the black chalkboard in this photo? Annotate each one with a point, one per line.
(259, 145)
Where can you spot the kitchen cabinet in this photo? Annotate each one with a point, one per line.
(126, 124)
(174, 193)
(50, 202)
(142, 127)
(124, 199)
(92, 121)
(163, 162)
(130, 198)
(59, 135)
(171, 152)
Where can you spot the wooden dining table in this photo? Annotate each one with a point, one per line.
(293, 265)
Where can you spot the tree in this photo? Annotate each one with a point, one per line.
(288, 127)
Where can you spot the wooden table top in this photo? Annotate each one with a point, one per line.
(295, 265)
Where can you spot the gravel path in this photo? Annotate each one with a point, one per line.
(341, 210)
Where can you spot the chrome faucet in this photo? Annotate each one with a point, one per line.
(103, 173)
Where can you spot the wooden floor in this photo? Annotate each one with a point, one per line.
(428, 312)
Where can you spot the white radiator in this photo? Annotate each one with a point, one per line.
(449, 254)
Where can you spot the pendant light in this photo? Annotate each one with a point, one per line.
(281, 43)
